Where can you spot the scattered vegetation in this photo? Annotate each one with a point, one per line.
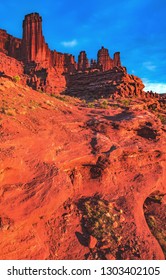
(101, 219)
(8, 111)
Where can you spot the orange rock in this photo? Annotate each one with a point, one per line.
(92, 242)
(110, 257)
(115, 224)
(122, 219)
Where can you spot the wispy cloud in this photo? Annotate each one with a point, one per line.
(149, 65)
(69, 44)
(155, 87)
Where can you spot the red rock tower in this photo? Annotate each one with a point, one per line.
(83, 62)
(34, 47)
(116, 59)
(103, 59)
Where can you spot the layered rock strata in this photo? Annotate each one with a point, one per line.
(115, 82)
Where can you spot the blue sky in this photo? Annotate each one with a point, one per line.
(136, 28)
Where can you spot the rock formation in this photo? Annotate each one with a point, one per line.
(46, 68)
(83, 62)
(10, 45)
(115, 82)
(103, 60)
(116, 60)
(55, 72)
(34, 47)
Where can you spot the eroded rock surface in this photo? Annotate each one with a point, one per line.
(56, 154)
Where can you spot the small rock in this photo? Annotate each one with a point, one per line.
(115, 224)
(110, 257)
(122, 219)
(92, 242)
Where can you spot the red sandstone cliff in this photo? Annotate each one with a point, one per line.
(10, 45)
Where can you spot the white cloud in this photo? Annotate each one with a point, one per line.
(69, 44)
(149, 65)
(155, 87)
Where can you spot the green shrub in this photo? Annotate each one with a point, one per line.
(126, 102)
(104, 104)
(16, 78)
(91, 105)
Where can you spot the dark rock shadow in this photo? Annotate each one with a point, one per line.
(125, 115)
(147, 133)
(93, 144)
(82, 238)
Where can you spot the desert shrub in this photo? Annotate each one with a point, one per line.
(162, 119)
(104, 104)
(40, 90)
(90, 105)
(126, 102)
(60, 97)
(16, 78)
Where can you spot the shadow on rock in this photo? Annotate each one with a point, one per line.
(82, 238)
